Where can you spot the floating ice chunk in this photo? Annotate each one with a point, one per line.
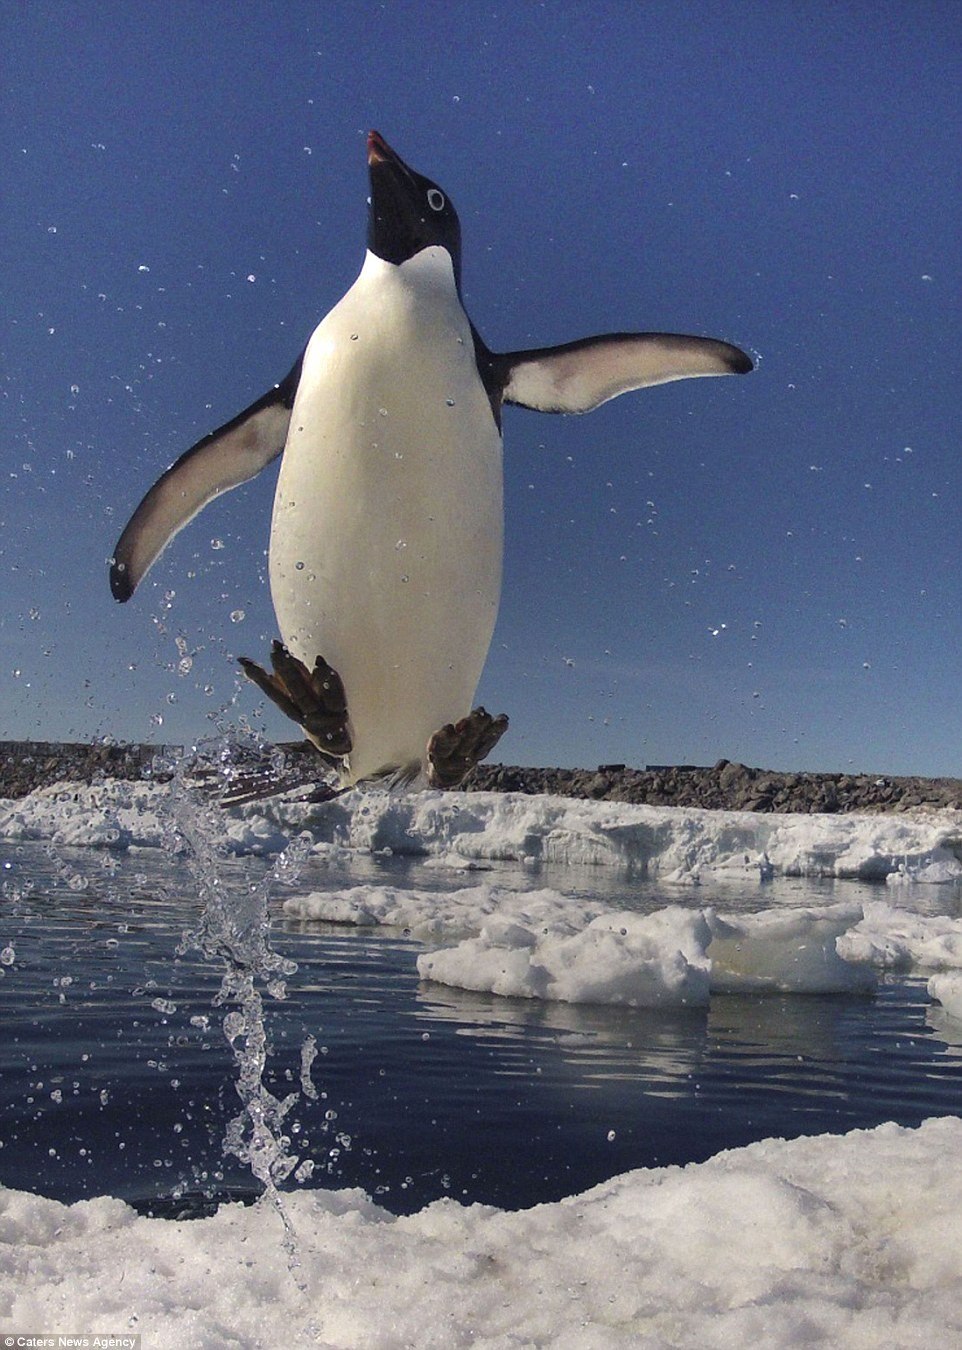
(788, 952)
(448, 916)
(895, 939)
(947, 988)
(641, 961)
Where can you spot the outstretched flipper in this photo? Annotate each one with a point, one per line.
(314, 699)
(220, 461)
(454, 750)
(579, 376)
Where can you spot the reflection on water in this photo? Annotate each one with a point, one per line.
(117, 1077)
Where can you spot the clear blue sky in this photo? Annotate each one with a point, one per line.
(767, 569)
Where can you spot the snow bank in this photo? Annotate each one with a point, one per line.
(670, 843)
(850, 1242)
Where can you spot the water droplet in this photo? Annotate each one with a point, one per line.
(7, 956)
(299, 566)
(216, 544)
(237, 616)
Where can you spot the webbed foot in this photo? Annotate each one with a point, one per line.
(454, 750)
(314, 699)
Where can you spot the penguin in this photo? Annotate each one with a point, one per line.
(387, 529)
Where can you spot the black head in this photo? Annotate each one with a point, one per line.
(407, 211)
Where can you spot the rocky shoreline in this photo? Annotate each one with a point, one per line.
(26, 765)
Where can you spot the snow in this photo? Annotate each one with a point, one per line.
(851, 1241)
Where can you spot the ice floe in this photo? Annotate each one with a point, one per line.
(850, 1241)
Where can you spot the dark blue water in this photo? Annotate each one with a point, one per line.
(115, 1075)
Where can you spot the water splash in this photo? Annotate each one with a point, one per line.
(235, 930)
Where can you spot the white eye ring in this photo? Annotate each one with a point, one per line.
(435, 199)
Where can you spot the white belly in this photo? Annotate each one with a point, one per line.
(386, 540)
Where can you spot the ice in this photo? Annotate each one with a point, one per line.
(947, 988)
(459, 829)
(851, 1241)
(642, 961)
(539, 943)
(542, 944)
(437, 915)
(676, 956)
(897, 939)
(793, 952)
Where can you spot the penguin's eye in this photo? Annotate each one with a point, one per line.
(435, 199)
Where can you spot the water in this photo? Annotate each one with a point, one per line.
(117, 1076)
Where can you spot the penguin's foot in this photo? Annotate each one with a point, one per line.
(457, 747)
(314, 699)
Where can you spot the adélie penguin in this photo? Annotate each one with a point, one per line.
(386, 538)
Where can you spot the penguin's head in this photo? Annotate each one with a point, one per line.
(408, 212)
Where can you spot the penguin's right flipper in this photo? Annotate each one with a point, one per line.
(314, 699)
(220, 461)
(579, 376)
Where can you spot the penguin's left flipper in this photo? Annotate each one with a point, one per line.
(223, 460)
(580, 376)
(454, 750)
(314, 699)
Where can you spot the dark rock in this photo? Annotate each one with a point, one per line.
(26, 765)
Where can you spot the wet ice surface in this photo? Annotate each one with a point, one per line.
(117, 1077)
